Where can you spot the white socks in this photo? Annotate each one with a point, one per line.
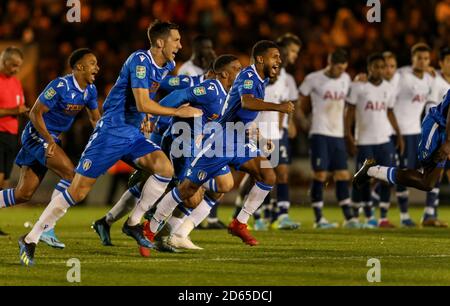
(387, 174)
(255, 198)
(165, 208)
(153, 189)
(125, 204)
(52, 213)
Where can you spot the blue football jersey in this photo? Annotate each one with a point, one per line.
(247, 82)
(139, 71)
(65, 99)
(177, 82)
(439, 112)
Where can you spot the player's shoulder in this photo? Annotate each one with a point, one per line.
(315, 75)
(346, 77)
(62, 83)
(141, 57)
(206, 88)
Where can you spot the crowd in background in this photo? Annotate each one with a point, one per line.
(115, 28)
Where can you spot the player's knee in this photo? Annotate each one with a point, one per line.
(192, 202)
(341, 176)
(187, 189)
(225, 185)
(23, 195)
(282, 178)
(269, 177)
(166, 170)
(320, 176)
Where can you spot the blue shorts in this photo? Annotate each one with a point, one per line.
(328, 153)
(156, 138)
(201, 168)
(32, 153)
(104, 150)
(432, 137)
(384, 154)
(409, 158)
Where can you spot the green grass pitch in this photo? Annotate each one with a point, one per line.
(303, 257)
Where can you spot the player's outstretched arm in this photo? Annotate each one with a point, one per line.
(146, 105)
(251, 103)
(393, 120)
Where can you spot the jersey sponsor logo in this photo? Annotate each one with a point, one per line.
(248, 84)
(213, 117)
(87, 163)
(199, 91)
(74, 107)
(202, 175)
(375, 106)
(50, 93)
(141, 72)
(333, 95)
(175, 81)
(418, 99)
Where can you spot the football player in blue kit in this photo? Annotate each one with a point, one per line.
(241, 106)
(208, 96)
(52, 114)
(433, 152)
(118, 136)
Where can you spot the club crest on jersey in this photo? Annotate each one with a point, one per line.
(199, 91)
(248, 84)
(202, 175)
(141, 72)
(174, 81)
(87, 163)
(50, 93)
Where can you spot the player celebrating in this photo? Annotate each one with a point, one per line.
(372, 103)
(324, 91)
(118, 136)
(52, 114)
(242, 105)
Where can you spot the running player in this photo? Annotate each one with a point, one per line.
(324, 92)
(118, 136)
(52, 114)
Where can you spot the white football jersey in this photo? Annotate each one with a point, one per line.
(411, 96)
(292, 93)
(189, 68)
(269, 122)
(328, 101)
(439, 88)
(372, 103)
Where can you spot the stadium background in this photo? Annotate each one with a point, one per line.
(113, 29)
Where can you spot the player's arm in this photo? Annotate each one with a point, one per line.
(37, 118)
(393, 120)
(444, 151)
(349, 120)
(146, 105)
(94, 116)
(249, 102)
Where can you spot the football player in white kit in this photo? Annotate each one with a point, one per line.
(413, 89)
(371, 104)
(440, 86)
(324, 92)
(202, 56)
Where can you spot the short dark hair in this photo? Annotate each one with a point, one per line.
(389, 54)
(77, 55)
(261, 47)
(339, 56)
(197, 41)
(443, 53)
(420, 47)
(374, 57)
(222, 61)
(288, 39)
(159, 29)
(10, 51)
